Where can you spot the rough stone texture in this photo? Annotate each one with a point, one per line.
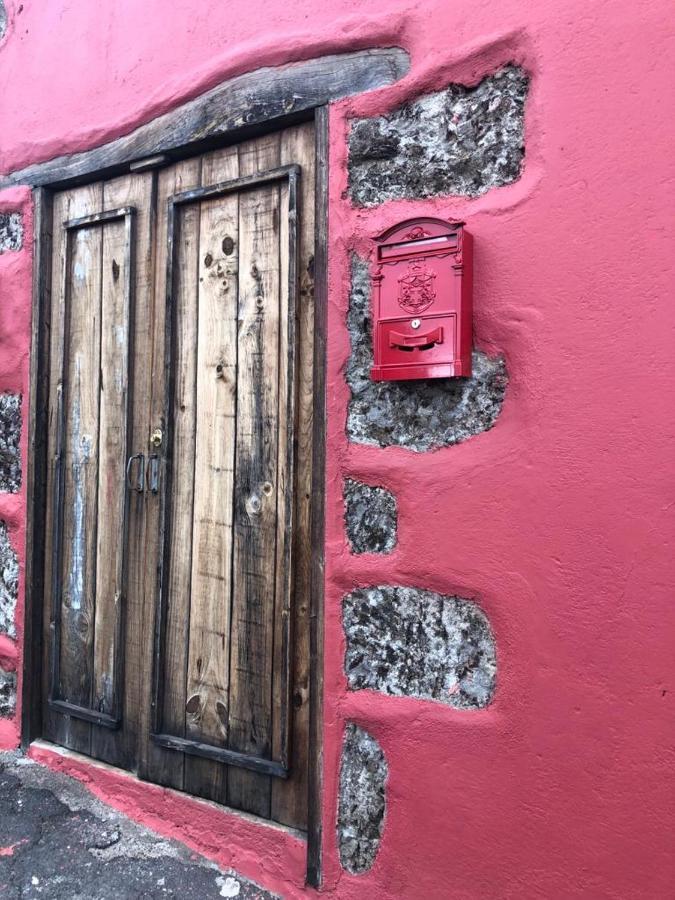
(362, 801)
(370, 518)
(460, 141)
(418, 415)
(10, 439)
(58, 842)
(9, 583)
(3, 19)
(11, 227)
(7, 695)
(412, 642)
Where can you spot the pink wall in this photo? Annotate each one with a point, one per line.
(16, 273)
(559, 520)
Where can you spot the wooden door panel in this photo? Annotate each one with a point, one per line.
(74, 477)
(124, 370)
(289, 795)
(230, 322)
(183, 306)
(225, 657)
(209, 646)
(155, 762)
(89, 441)
(263, 304)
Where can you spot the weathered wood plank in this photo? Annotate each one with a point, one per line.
(255, 507)
(132, 327)
(317, 570)
(237, 104)
(207, 705)
(181, 483)
(82, 349)
(157, 763)
(112, 459)
(54, 724)
(289, 797)
(36, 469)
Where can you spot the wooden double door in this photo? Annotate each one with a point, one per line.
(176, 638)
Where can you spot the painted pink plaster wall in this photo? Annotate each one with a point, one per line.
(558, 521)
(16, 273)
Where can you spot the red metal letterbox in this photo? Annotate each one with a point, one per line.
(422, 284)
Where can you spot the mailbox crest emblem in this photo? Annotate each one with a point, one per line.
(416, 291)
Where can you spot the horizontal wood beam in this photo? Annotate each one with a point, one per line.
(228, 110)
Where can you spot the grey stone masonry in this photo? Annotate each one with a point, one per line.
(9, 583)
(458, 141)
(11, 226)
(10, 441)
(362, 800)
(418, 415)
(412, 642)
(7, 694)
(370, 518)
(3, 19)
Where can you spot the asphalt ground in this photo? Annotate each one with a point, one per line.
(59, 842)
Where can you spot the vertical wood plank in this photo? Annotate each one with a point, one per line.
(82, 348)
(112, 444)
(255, 506)
(121, 747)
(289, 796)
(317, 569)
(157, 764)
(36, 474)
(181, 500)
(54, 724)
(207, 706)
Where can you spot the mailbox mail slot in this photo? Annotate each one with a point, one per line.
(422, 301)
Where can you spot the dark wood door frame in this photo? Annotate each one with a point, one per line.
(266, 100)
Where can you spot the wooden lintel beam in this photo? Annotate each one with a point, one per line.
(242, 103)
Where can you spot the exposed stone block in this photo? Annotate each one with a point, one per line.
(3, 19)
(362, 801)
(370, 517)
(411, 642)
(11, 226)
(7, 694)
(10, 440)
(461, 141)
(9, 583)
(418, 415)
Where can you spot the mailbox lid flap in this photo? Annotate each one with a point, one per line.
(424, 235)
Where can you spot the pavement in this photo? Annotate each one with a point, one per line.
(59, 842)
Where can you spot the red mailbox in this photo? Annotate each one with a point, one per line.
(422, 286)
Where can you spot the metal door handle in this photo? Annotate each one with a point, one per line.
(153, 473)
(140, 474)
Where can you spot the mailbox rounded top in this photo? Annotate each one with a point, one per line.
(419, 229)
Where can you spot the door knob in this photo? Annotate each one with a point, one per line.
(156, 437)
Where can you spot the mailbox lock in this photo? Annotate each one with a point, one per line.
(156, 437)
(415, 323)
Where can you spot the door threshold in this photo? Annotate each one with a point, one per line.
(125, 791)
